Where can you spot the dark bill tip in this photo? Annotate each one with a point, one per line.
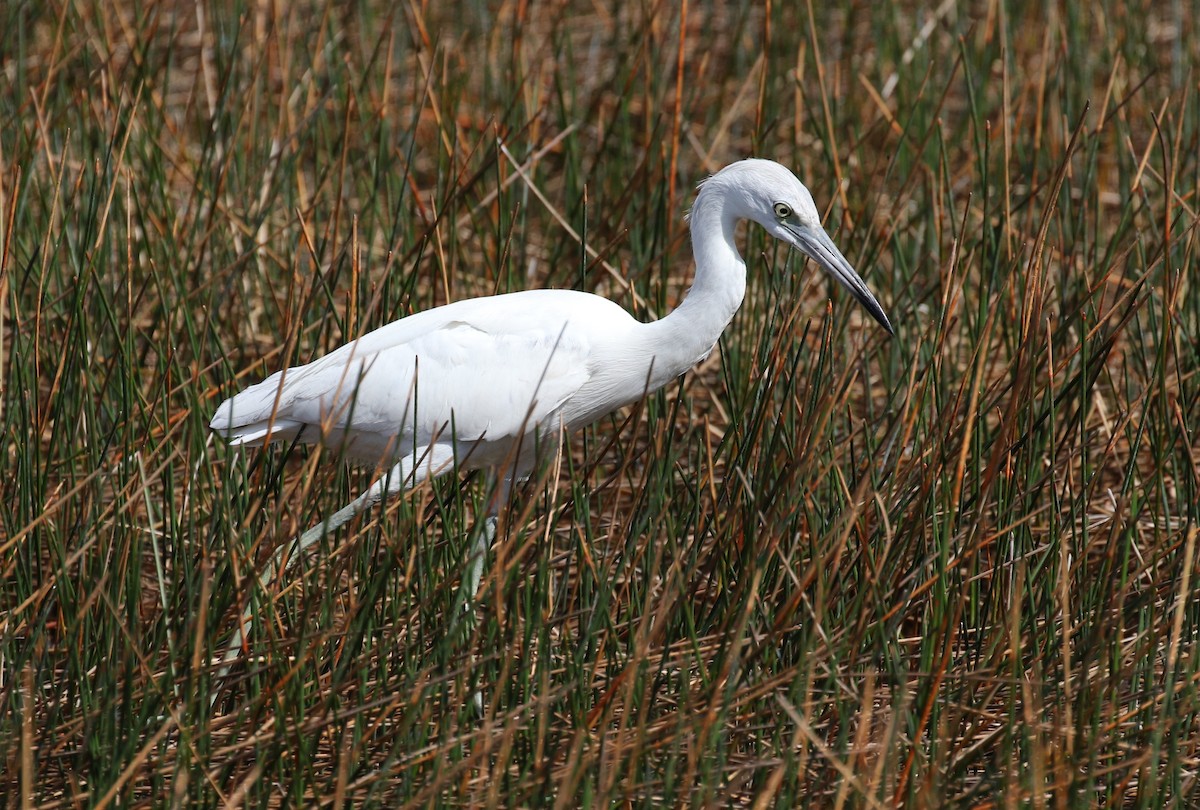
(817, 244)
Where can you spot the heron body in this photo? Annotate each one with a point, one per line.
(485, 381)
(475, 377)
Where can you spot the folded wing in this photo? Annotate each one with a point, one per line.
(474, 375)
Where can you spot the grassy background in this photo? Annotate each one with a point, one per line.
(826, 568)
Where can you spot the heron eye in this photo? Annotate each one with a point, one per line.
(782, 210)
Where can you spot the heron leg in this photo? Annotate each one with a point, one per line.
(474, 573)
(410, 471)
(464, 599)
(465, 612)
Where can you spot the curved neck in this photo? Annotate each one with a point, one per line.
(687, 335)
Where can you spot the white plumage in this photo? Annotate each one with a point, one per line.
(492, 368)
(471, 381)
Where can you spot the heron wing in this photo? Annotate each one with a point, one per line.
(490, 368)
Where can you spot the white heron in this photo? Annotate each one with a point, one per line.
(481, 383)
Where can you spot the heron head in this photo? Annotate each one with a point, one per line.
(773, 197)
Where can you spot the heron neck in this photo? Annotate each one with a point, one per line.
(688, 334)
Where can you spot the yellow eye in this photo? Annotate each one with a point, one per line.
(782, 210)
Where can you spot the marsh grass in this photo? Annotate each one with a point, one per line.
(825, 568)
